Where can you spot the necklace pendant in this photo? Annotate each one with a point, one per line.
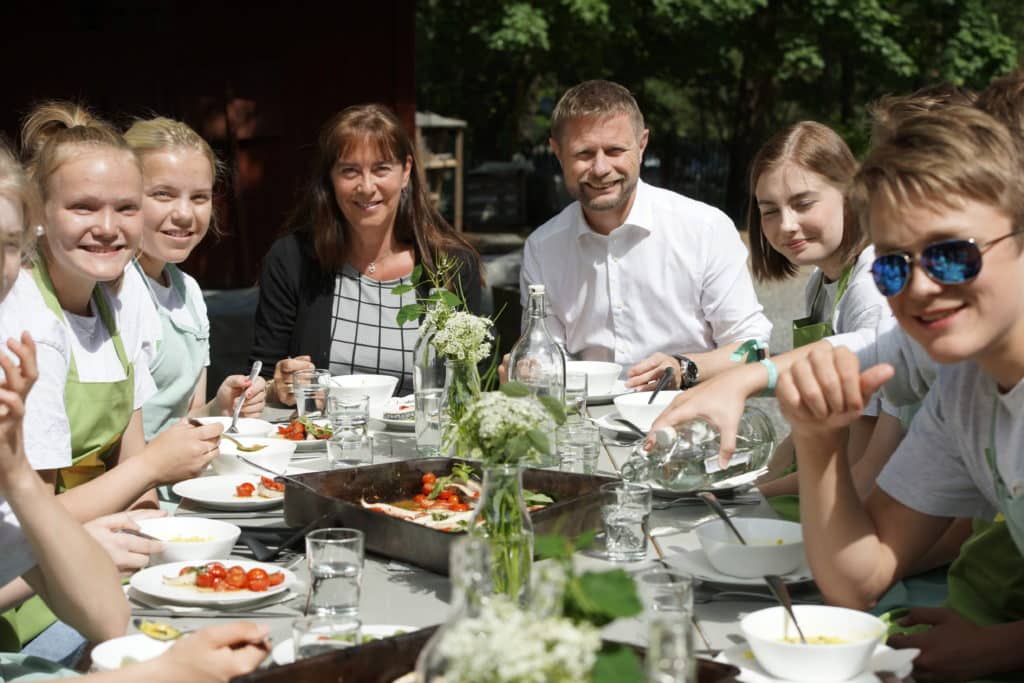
(372, 268)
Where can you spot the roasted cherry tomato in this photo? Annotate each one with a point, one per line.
(244, 490)
(271, 484)
(216, 570)
(204, 580)
(221, 585)
(236, 577)
(276, 578)
(460, 507)
(259, 585)
(427, 488)
(429, 478)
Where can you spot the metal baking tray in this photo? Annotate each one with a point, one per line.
(336, 501)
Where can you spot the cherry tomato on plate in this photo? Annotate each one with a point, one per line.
(245, 490)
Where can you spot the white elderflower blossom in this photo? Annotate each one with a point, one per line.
(461, 336)
(494, 421)
(504, 644)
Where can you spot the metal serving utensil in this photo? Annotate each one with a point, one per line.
(666, 375)
(253, 373)
(781, 593)
(713, 503)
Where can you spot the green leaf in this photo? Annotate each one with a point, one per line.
(408, 313)
(552, 547)
(402, 289)
(612, 592)
(585, 540)
(517, 448)
(617, 663)
(417, 274)
(539, 440)
(537, 498)
(555, 407)
(515, 390)
(450, 299)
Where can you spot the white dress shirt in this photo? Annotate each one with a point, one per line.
(672, 278)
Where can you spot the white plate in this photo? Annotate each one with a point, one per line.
(284, 652)
(619, 390)
(150, 581)
(695, 562)
(218, 493)
(900, 662)
(397, 425)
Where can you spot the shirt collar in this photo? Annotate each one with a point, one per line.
(641, 214)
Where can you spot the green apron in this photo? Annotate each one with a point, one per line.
(98, 414)
(178, 362)
(807, 331)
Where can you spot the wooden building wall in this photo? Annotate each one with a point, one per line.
(257, 79)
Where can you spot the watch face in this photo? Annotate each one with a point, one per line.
(688, 369)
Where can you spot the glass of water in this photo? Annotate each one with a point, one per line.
(351, 444)
(319, 633)
(578, 445)
(429, 421)
(665, 590)
(670, 648)
(624, 512)
(335, 559)
(311, 387)
(575, 395)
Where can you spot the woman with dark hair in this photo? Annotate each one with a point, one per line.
(364, 224)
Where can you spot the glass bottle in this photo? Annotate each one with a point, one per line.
(536, 359)
(470, 569)
(685, 458)
(428, 382)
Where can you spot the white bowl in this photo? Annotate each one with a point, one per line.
(275, 456)
(378, 387)
(601, 376)
(222, 537)
(764, 555)
(860, 632)
(634, 407)
(247, 426)
(111, 654)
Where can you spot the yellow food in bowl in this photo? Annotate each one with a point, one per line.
(818, 640)
(190, 539)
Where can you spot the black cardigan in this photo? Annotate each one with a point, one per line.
(293, 316)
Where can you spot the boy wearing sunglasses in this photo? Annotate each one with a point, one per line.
(942, 197)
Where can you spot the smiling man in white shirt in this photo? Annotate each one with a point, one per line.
(636, 274)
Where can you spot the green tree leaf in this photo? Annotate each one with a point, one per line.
(539, 440)
(555, 407)
(402, 289)
(417, 274)
(407, 313)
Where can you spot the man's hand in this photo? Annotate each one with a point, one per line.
(954, 649)
(647, 372)
(826, 391)
(503, 369)
(283, 371)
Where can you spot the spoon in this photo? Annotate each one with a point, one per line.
(631, 426)
(256, 367)
(238, 444)
(778, 588)
(665, 377)
(713, 503)
(158, 630)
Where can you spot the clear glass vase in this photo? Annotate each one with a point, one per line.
(461, 387)
(470, 569)
(502, 519)
(428, 381)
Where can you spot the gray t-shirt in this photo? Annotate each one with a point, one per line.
(364, 335)
(940, 467)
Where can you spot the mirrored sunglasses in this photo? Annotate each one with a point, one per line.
(949, 262)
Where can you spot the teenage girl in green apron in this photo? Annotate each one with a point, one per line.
(92, 190)
(179, 171)
(798, 217)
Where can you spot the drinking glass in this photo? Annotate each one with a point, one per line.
(665, 590)
(578, 445)
(351, 444)
(319, 633)
(575, 395)
(335, 559)
(310, 387)
(670, 649)
(626, 507)
(429, 421)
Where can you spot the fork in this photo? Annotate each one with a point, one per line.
(256, 367)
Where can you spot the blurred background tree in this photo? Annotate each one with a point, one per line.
(714, 78)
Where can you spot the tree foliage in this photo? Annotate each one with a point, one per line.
(727, 72)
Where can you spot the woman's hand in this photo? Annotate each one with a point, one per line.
(129, 553)
(283, 371)
(825, 391)
(182, 451)
(953, 649)
(235, 386)
(213, 655)
(17, 381)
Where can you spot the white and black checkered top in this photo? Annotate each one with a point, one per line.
(364, 335)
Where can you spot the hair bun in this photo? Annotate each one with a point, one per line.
(50, 119)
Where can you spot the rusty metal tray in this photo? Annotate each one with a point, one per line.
(382, 661)
(577, 506)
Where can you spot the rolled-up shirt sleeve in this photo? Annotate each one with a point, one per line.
(727, 297)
